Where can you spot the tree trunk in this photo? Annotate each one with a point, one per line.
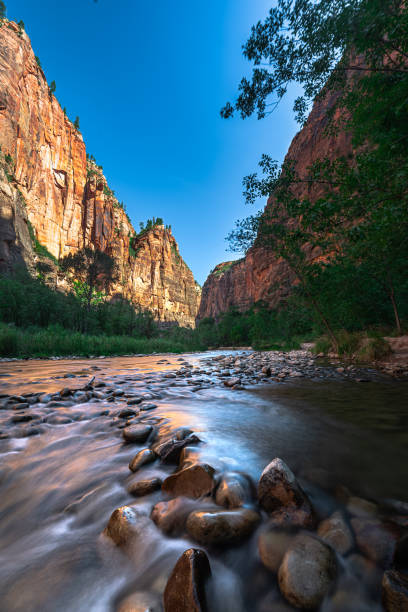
(395, 309)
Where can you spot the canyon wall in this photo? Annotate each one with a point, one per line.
(49, 183)
(259, 276)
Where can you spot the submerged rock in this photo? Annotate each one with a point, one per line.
(219, 527)
(272, 546)
(185, 589)
(376, 540)
(195, 481)
(307, 572)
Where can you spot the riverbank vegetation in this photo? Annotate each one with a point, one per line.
(38, 321)
(340, 225)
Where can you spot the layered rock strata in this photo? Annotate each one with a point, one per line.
(67, 199)
(259, 276)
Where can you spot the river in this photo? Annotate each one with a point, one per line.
(65, 469)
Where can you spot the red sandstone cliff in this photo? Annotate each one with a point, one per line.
(258, 276)
(67, 199)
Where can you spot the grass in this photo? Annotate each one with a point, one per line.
(362, 346)
(50, 342)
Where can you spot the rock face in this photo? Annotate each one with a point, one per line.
(67, 199)
(259, 276)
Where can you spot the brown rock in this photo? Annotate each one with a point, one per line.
(137, 433)
(375, 539)
(279, 491)
(144, 456)
(218, 527)
(125, 524)
(171, 516)
(395, 591)
(170, 451)
(185, 589)
(272, 546)
(307, 572)
(233, 491)
(195, 481)
(336, 532)
(144, 487)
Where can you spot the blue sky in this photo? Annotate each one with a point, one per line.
(147, 79)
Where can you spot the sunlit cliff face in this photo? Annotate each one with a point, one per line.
(67, 198)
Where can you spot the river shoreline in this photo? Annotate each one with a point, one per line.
(104, 447)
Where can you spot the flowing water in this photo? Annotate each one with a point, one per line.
(58, 488)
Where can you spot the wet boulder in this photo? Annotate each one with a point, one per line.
(336, 532)
(125, 524)
(142, 458)
(307, 572)
(395, 591)
(185, 589)
(233, 491)
(170, 451)
(218, 527)
(137, 433)
(139, 488)
(171, 516)
(279, 490)
(194, 481)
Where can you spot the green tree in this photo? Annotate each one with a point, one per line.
(91, 272)
(2, 10)
(76, 123)
(52, 88)
(356, 52)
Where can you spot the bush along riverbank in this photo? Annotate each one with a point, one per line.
(37, 321)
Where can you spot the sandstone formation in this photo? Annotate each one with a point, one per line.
(259, 276)
(66, 197)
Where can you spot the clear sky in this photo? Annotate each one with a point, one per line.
(147, 79)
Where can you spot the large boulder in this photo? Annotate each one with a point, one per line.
(219, 527)
(336, 532)
(185, 589)
(280, 494)
(125, 524)
(233, 491)
(395, 591)
(194, 481)
(137, 433)
(307, 572)
(142, 458)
